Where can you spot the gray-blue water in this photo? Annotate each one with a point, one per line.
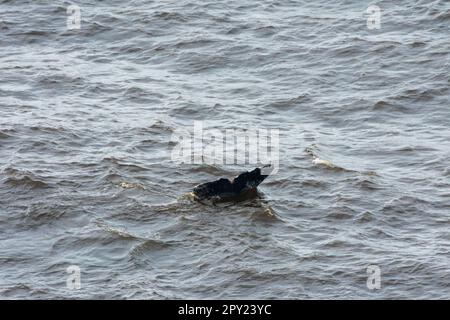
(87, 179)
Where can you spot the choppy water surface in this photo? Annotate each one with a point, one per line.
(86, 177)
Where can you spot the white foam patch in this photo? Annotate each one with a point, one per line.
(318, 161)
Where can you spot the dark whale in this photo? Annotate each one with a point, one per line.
(224, 189)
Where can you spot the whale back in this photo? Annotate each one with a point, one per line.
(224, 188)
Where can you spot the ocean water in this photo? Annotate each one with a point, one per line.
(87, 178)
